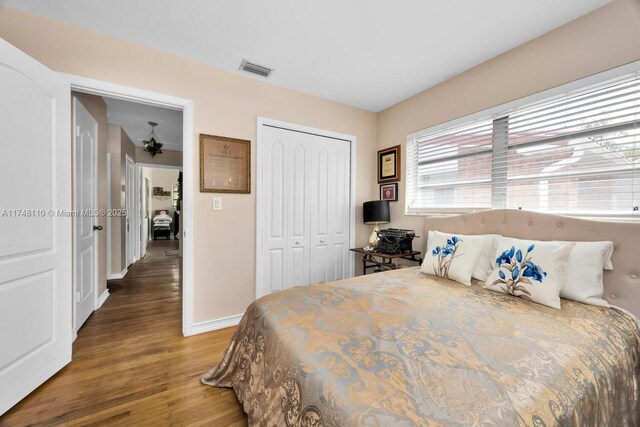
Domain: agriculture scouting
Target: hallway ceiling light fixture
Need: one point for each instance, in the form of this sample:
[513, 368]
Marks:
[151, 144]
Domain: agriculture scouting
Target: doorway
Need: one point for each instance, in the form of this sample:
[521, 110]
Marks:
[134, 95]
[160, 205]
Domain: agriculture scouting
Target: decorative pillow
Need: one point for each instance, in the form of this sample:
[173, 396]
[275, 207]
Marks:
[484, 265]
[530, 269]
[583, 278]
[451, 256]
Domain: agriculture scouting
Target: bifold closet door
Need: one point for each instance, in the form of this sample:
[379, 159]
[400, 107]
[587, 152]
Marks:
[330, 198]
[305, 205]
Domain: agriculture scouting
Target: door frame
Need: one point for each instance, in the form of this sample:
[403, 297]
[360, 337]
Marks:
[75, 222]
[140, 194]
[129, 195]
[260, 287]
[128, 93]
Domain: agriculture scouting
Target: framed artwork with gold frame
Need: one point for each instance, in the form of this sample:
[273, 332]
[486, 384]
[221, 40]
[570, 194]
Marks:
[225, 164]
[389, 165]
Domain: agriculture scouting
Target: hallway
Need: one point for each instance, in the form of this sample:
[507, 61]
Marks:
[131, 365]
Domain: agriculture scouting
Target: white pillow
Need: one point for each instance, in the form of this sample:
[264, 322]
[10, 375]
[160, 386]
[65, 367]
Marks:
[530, 269]
[484, 265]
[583, 278]
[452, 257]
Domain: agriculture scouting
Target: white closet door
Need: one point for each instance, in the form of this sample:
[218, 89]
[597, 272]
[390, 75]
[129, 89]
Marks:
[287, 201]
[306, 198]
[330, 210]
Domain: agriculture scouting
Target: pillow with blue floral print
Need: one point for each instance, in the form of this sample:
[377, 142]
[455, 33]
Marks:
[452, 256]
[531, 270]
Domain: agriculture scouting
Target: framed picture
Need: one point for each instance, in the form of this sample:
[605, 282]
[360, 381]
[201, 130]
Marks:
[389, 192]
[225, 165]
[389, 164]
[158, 191]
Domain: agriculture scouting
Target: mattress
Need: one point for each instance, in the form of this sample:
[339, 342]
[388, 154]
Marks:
[402, 348]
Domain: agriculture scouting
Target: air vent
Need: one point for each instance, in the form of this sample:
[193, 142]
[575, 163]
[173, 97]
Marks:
[250, 67]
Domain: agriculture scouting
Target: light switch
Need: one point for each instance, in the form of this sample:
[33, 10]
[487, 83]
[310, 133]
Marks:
[217, 203]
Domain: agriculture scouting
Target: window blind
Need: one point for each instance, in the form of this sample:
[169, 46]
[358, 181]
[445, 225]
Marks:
[576, 154]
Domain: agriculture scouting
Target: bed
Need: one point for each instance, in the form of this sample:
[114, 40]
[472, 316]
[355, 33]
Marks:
[161, 224]
[403, 348]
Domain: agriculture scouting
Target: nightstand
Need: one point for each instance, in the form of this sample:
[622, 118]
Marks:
[382, 262]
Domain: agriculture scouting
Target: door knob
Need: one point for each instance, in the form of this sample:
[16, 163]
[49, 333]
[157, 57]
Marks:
[97, 227]
[297, 243]
[322, 241]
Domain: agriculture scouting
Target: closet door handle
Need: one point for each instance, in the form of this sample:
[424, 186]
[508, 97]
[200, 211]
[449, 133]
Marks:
[297, 243]
[322, 241]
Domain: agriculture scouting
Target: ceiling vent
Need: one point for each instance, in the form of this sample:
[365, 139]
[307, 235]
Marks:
[250, 67]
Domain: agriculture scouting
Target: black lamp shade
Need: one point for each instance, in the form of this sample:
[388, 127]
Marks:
[376, 212]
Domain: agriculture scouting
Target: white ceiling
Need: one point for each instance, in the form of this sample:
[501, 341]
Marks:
[366, 53]
[133, 118]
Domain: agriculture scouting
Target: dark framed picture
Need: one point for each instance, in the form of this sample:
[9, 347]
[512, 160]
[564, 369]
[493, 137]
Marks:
[389, 192]
[225, 164]
[389, 164]
[158, 191]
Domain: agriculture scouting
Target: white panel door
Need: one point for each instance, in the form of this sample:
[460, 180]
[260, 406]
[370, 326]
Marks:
[86, 200]
[273, 200]
[306, 198]
[330, 224]
[35, 242]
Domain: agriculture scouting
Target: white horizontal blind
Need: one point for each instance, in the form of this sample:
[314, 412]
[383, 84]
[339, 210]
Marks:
[451, 169]
[576, 154]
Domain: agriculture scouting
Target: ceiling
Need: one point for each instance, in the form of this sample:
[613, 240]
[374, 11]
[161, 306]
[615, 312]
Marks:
[133, 118]
[366, 53]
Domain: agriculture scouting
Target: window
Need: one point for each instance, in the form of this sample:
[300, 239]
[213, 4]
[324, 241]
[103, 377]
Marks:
[576, 154]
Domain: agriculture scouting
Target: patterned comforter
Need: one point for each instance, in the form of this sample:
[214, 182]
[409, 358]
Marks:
[401, 349]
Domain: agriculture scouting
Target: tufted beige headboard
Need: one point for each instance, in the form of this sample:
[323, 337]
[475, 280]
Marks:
[622, 285]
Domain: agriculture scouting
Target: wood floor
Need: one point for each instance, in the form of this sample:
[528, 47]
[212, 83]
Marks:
[132, 366]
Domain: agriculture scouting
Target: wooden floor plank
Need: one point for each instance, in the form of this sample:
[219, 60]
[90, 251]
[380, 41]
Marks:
[132, 366]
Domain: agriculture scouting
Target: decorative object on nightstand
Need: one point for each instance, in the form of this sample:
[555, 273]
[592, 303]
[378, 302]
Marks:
[393, 241]
[374, 213]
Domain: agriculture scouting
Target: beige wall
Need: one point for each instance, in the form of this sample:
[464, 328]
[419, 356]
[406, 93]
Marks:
[118, 145]
[96, 106]
[224, 104]
[604, 39]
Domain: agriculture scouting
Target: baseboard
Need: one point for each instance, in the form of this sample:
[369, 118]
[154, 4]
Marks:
[214, 325]
[118, 276]
[102, 298]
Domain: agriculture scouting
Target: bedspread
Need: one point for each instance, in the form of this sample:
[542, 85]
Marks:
[401, 349]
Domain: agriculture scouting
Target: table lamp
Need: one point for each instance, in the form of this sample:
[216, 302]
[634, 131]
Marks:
[375, 212]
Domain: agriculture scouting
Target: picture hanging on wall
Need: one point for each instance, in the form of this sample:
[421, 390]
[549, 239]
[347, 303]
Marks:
[389, 192]
[225, 164]
[389, 164]
[158, 191]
